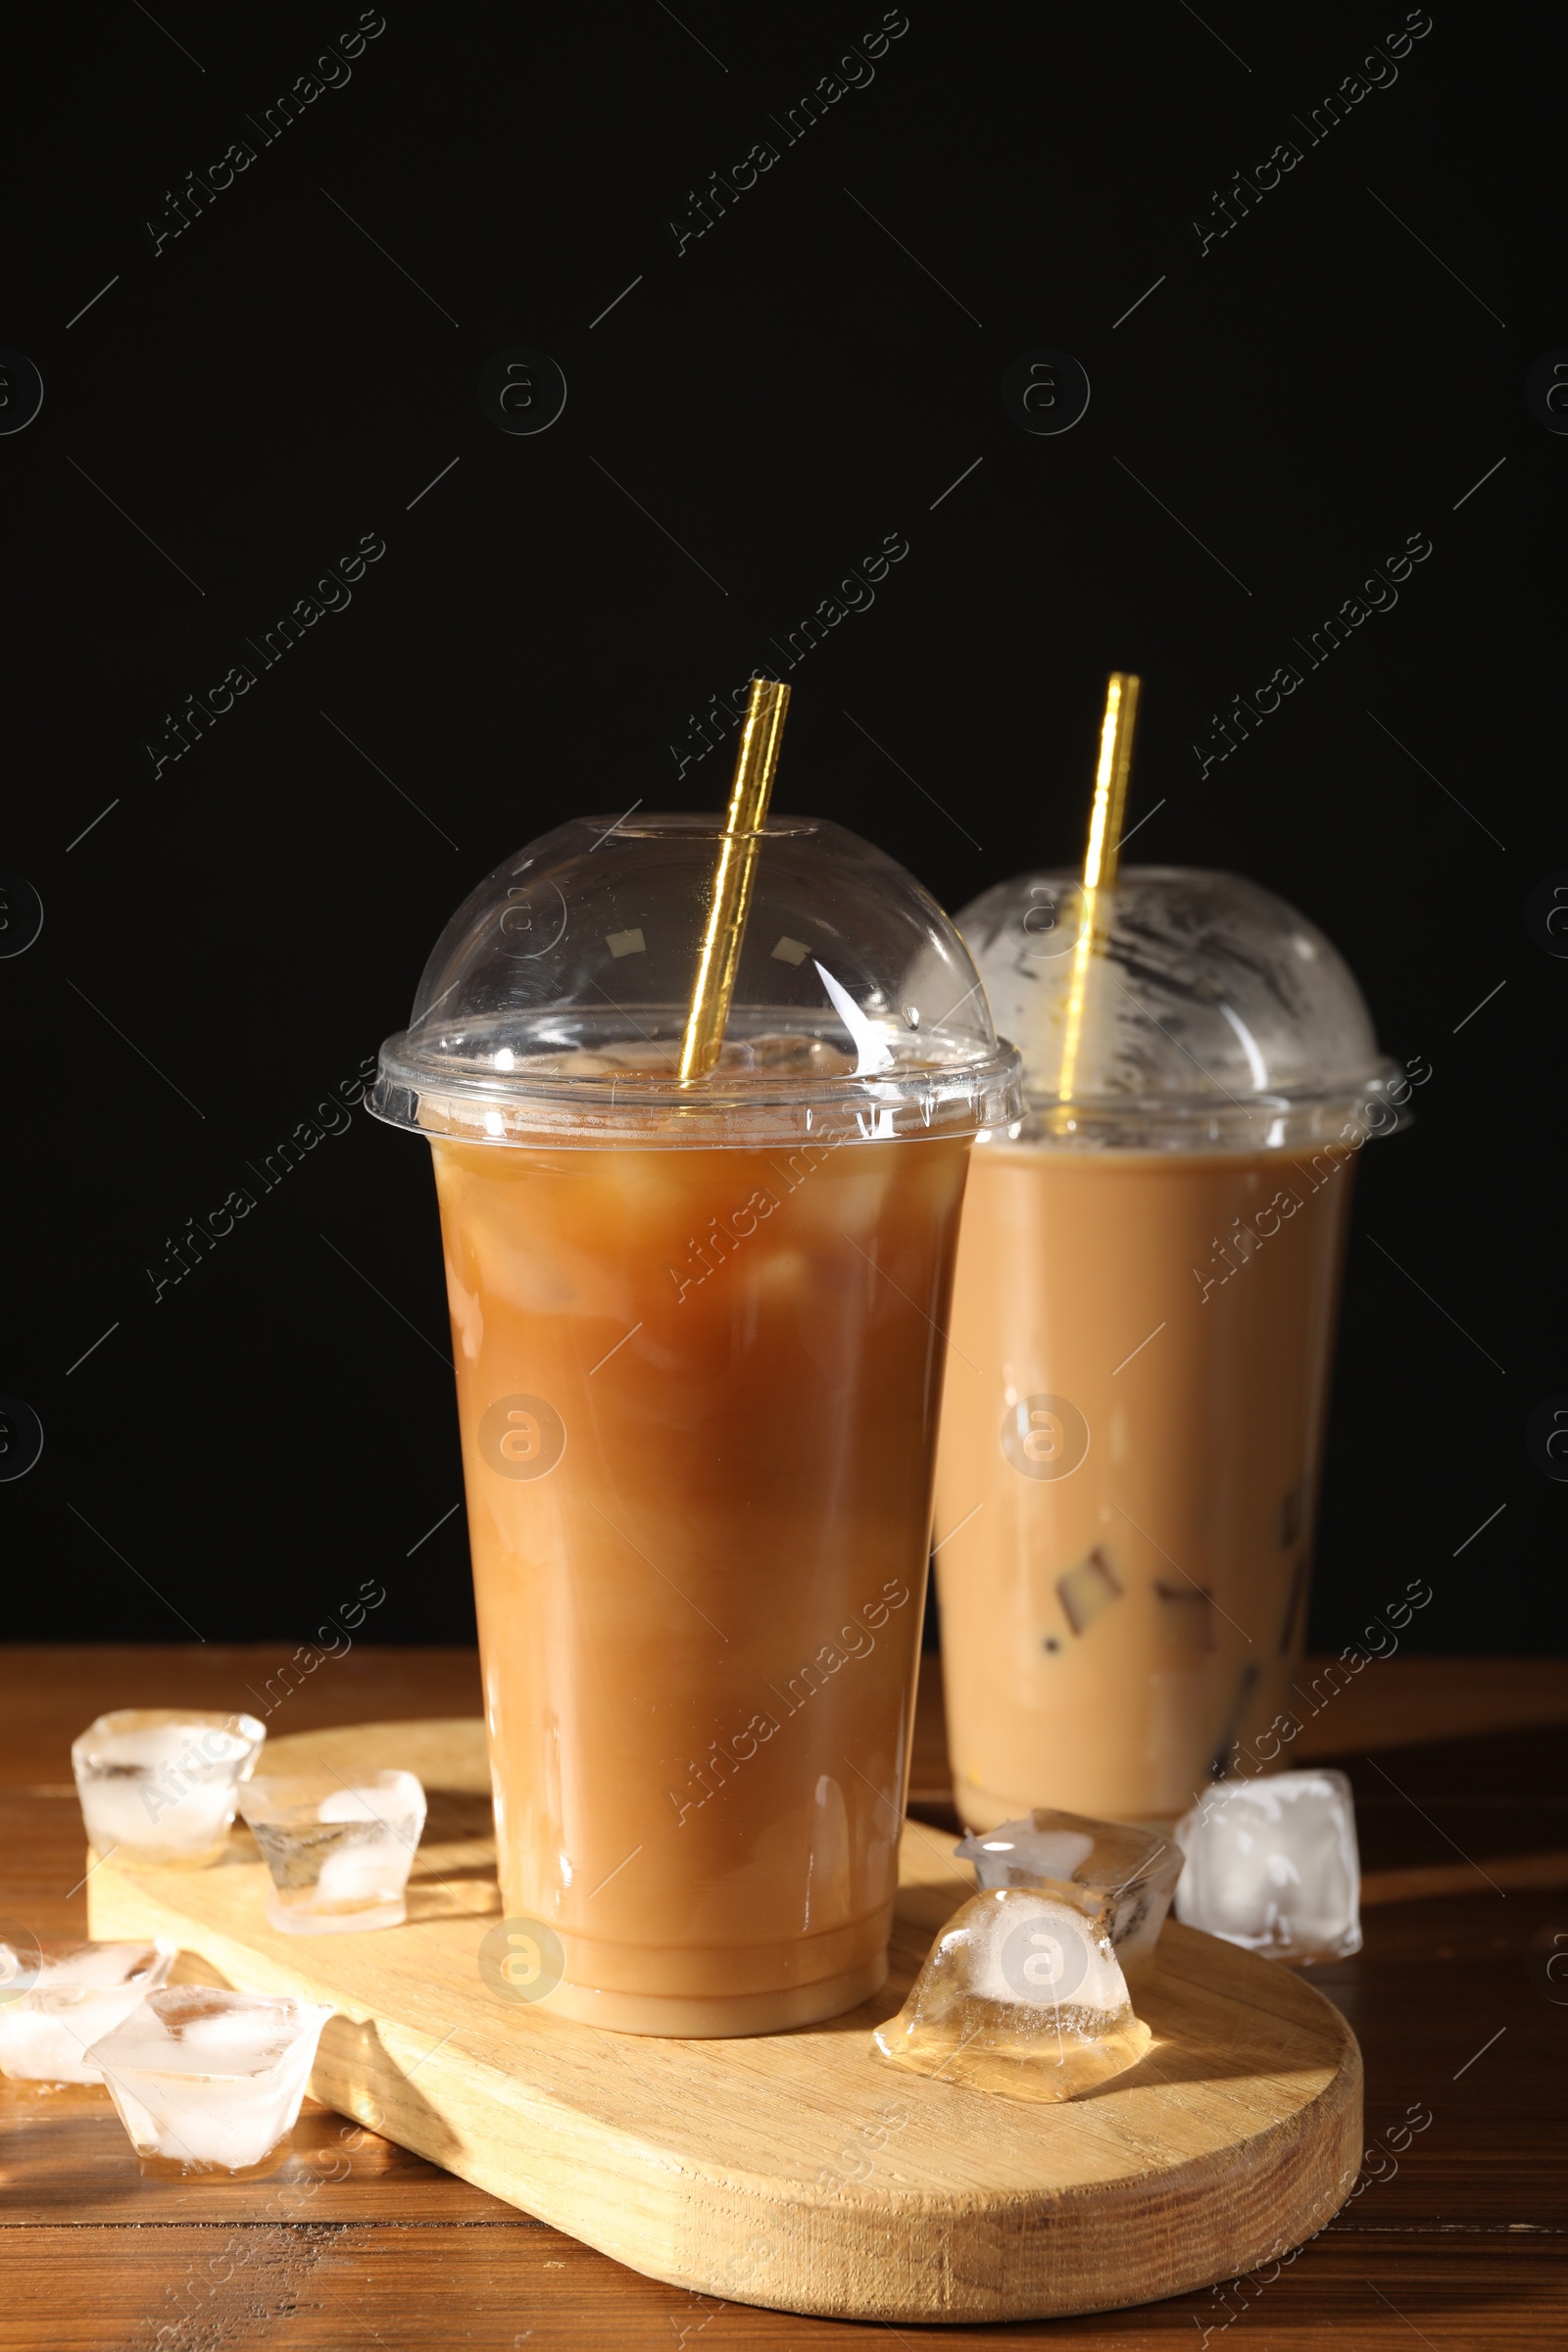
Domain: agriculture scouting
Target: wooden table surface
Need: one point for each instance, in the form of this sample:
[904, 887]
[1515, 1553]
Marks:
[1455, 2236]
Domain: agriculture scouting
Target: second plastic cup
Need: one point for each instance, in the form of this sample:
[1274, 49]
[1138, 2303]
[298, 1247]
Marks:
[698, 1334]
[1144, 1321]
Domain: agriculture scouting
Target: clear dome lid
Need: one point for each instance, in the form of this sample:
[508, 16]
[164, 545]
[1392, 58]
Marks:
[554, 1001]
[1217, 1017]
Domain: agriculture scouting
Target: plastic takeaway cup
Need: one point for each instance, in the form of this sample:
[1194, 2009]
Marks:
[699, 1335]
[1143, 1325]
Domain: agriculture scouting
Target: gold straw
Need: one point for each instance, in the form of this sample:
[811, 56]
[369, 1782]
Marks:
[1116, 731]
[733, 876]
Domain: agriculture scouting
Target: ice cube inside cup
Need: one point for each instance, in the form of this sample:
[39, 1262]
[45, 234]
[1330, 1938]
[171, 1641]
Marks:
[1272, 1864]
[70, 1994]
[160, 1782]
[1133, 1871]
[206, 2081]
[339, 1852]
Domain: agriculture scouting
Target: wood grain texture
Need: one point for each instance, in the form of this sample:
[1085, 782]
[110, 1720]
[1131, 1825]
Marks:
[1466, 2242]
[516, 2288]
[792, 2169]
[53, 1689]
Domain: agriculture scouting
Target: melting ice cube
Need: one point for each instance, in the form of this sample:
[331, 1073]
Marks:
[1272, 1864]
[340, 1855]
[74, 1994]
[1130, 1871]
[161, 1781]
[1022, 1994]
[207, 2079]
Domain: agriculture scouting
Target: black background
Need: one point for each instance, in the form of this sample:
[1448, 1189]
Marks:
[225, 947]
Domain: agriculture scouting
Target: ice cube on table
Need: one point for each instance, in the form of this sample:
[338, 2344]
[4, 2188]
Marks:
[159, 1781]
[57, 2001]
[1132, 1871]
[1272, 1864]
[205, 2080]
[1022, 1993]
[339, 1854]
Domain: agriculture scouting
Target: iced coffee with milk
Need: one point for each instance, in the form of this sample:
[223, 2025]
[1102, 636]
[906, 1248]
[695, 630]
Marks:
[1144, 1323]
[698, 1309]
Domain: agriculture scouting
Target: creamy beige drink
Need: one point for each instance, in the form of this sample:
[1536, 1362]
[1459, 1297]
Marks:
[701, 1619]
[1131, 1467]
[1143, 1330]
[698, 1331]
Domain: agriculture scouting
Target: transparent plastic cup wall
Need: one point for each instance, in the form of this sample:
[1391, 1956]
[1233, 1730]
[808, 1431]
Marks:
[1144, 1319]
[698, 1338]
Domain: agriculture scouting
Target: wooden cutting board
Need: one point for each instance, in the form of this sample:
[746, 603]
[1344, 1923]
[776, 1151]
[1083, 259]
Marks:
[793, 2170]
